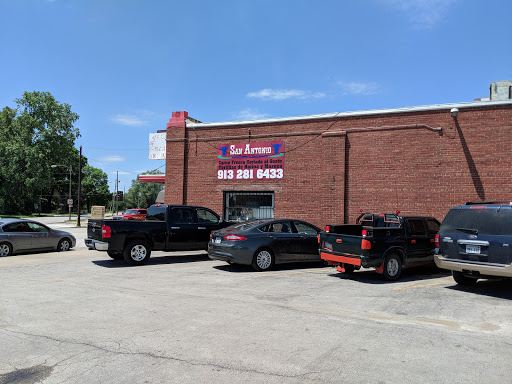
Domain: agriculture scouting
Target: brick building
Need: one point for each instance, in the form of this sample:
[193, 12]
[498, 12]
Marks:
[419, 160]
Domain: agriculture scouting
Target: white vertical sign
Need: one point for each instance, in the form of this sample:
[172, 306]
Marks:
[157, 146]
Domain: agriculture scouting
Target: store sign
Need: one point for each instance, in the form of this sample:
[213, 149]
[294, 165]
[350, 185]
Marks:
[157, 146]
[247, 161]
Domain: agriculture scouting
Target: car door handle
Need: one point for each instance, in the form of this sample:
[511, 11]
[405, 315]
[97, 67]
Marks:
[175, 227]
[201, 227]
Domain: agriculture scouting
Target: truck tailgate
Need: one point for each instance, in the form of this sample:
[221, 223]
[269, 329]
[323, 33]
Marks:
[94, 229]
[342, 248]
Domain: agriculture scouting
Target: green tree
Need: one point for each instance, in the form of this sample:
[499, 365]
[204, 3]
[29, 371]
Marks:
[94, 187]
[37, 133]
[142, 195]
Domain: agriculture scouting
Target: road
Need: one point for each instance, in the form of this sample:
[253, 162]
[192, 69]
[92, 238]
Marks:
[80, 317]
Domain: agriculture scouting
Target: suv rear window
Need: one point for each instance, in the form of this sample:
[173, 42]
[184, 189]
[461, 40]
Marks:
[490, 221]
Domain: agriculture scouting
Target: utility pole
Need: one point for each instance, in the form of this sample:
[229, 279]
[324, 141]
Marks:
[79, 188]
[117, 194]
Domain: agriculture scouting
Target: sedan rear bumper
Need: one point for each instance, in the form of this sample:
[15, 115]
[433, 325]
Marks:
[96, 244]
[229, 254]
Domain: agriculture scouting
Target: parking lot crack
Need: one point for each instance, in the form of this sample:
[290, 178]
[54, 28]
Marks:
[156, 356]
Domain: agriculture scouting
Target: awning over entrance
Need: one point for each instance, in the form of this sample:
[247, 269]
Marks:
[160, 178]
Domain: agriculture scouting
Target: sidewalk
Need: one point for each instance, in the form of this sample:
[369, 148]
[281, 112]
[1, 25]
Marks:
[63, 220]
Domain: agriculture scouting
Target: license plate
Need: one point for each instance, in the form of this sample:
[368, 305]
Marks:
[472, 249]
[218, 240]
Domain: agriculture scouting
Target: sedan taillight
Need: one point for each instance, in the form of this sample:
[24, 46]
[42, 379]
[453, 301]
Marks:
[234, 238]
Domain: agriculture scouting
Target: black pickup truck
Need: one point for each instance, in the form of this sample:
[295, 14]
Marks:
[166, 228]
[387, 242]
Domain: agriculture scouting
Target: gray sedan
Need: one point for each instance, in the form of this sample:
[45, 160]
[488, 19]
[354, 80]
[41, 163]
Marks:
[19, 235]
[263, 243]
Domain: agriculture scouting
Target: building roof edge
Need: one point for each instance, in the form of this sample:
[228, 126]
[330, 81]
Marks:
[431, 107]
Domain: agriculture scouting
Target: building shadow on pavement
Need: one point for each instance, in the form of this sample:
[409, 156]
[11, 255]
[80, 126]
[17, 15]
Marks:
[156, 260]
[415, 274]
[240, 268]
[497, 288]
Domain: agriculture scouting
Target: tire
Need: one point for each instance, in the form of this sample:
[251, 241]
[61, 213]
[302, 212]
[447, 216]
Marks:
[392, 267]
[137, 252]
[349, 268]
[115, 255]
[5, 249]
[263, 260]
[64, 245]
[462, 279]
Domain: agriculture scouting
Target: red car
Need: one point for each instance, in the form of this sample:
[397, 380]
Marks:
[132, 214]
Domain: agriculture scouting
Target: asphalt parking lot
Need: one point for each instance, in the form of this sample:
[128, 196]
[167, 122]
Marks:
[80, 317]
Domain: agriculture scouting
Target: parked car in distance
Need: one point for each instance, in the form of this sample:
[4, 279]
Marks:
[265, 242]
[132, 214]
[20, 235]
[475, 241]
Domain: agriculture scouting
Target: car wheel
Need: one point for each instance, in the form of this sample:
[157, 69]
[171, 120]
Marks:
[392, 267]
[5, 249]
[115, 255]
[462, 279]
[137, 252]
[263, 260]
[64, 245]
[349, 268]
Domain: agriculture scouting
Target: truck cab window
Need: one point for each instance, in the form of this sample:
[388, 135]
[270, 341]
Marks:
[205, 216]
[433, 227]
[156, 213]
[182, 215]
[416, 227]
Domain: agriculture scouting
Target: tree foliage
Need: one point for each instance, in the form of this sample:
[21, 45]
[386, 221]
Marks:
[94, 187]
[37, 133]
[142, 195]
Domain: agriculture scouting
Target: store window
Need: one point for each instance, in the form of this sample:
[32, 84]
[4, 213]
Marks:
[242, 206]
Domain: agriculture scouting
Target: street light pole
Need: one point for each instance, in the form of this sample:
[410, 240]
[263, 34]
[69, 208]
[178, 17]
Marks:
[69, 205]
[70, 171]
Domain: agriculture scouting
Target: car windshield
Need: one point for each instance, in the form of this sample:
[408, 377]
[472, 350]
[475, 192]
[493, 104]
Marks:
[490, 221]
[130, 212]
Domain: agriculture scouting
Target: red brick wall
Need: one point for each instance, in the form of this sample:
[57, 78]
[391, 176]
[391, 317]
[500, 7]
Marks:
[329, 177]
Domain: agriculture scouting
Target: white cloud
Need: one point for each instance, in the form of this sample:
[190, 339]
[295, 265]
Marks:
[112, 159]
[359, 88]
[422, 13]
[120, 173]
[282, 94]
[130, 120]
[249, 114]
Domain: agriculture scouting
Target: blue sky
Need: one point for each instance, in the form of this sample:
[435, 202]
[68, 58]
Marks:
[125, 65]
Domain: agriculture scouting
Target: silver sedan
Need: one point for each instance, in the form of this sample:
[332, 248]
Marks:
[19, 236]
